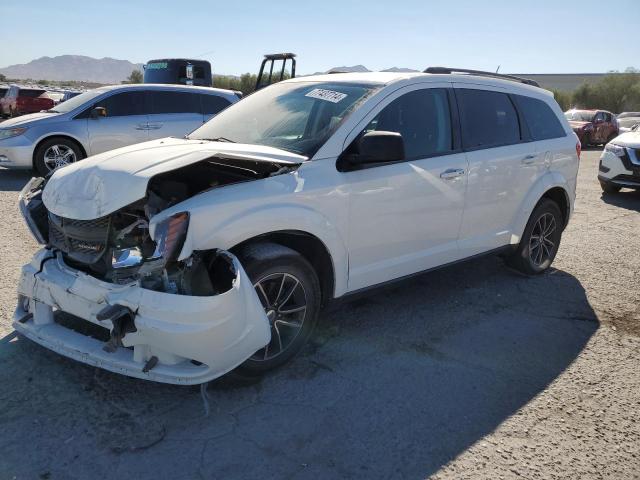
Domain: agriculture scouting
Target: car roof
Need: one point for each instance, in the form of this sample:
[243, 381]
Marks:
[387, 78]
[166, 86]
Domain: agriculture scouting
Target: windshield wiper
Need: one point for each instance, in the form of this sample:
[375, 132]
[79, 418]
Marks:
[52, 111]
[218, 139]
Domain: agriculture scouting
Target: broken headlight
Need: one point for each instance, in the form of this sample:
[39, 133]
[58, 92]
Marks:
[170, 235]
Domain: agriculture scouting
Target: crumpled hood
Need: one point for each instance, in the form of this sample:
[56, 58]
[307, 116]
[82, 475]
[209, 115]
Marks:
[24, 119]
[629, 139]
[104, 183]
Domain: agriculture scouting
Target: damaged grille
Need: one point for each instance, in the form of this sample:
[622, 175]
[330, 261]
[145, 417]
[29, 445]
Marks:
[82, 240]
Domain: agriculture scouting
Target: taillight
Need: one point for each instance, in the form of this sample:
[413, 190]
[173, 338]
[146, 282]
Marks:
[578, 148]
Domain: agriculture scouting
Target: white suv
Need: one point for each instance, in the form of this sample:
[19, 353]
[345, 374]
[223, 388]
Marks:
[192, 257]
[620, 163]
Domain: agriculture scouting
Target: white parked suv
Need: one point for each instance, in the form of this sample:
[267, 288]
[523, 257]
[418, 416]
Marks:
[192, 257]
[620, 163]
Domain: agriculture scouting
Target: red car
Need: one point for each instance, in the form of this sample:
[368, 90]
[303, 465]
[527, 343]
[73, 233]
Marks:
[593, 126]
[18, 101]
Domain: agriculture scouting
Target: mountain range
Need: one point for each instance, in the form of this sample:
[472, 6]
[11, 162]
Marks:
[105, 70]
[110, 70]
[73, 67]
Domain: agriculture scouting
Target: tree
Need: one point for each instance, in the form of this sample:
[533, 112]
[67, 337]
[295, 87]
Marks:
[563, 99]
[3, 78]
[135, 77]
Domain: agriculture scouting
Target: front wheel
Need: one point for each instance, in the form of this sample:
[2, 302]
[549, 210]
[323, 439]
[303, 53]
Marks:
[540, 240]
[55, 153]
[609, 187]
[584, 141]
[289, 291]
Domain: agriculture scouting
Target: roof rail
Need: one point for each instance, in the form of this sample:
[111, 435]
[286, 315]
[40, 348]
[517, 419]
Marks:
[480, 73]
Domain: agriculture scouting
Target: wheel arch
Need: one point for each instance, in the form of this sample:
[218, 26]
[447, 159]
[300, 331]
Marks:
[553, 186]
[57, 135]
[310, 247]
[561, 197]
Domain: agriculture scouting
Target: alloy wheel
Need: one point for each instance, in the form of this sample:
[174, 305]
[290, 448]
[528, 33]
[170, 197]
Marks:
[541, 244]
[285, 302]
[57, 156]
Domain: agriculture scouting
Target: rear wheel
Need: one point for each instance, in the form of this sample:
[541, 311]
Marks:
[540, 240]
[55, 153]
[609, 187]
[289, 291]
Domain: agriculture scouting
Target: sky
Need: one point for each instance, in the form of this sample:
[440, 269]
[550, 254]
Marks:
[534, 36]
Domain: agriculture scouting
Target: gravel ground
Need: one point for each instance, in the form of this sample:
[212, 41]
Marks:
[468, 372]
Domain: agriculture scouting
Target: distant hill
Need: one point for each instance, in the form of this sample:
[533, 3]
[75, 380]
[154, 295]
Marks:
[400, 70]
[73, 67]
[355, 68]
[110, 70]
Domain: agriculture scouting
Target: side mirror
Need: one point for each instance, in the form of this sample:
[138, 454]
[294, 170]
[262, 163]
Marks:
[379, 147]
[98, 112]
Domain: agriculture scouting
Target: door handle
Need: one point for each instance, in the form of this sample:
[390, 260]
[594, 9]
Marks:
[154, 126]
[142, 126]
[528, 160]
[452, 173]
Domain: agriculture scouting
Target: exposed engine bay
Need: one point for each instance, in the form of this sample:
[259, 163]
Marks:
[118, 247]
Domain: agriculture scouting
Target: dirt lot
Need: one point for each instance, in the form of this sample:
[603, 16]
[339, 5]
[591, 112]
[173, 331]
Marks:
[468, 372]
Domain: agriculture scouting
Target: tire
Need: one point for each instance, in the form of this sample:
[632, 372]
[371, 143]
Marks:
[67, 148]
[274, 269]
[609, 188]
[584, 142]
[531, 257]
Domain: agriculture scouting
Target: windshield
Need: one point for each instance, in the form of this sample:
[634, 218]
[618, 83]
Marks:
[298, 116]
[629, 114]
[77, 101]
[580, 115]
[629, 122]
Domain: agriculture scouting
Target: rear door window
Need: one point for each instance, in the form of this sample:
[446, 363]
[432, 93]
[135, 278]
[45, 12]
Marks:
[423, 119]
[488, 119]
[166, 102]
[542, 122]
[124, 104]
[213, 104]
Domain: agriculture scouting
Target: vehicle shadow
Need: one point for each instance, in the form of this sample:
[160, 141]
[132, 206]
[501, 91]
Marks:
[593, 148]
[629, 199]
[394, 385]
[14, 180]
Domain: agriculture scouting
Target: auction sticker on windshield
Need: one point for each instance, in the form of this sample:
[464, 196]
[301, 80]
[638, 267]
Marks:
[328, 95]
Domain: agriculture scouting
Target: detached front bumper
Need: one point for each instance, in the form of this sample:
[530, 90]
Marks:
[194, 339]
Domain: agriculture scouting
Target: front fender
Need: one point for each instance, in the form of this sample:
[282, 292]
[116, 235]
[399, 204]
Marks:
[208, 229]
[545, 183]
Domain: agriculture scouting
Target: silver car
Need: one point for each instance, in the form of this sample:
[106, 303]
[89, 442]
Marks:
[104, 119]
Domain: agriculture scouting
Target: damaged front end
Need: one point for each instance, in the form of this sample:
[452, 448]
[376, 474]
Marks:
[183, 321]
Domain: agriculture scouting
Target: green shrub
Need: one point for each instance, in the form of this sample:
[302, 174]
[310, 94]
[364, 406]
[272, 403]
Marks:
[617, 92]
